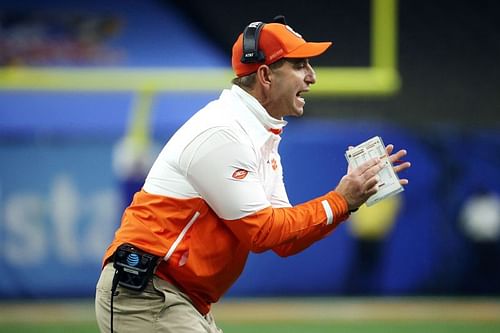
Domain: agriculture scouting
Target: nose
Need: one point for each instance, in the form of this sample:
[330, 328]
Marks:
[310, 77]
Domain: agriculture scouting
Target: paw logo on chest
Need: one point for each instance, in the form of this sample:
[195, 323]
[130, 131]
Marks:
[240, 174]
[274, 164]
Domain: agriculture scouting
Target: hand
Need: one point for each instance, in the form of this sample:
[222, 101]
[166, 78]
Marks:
[360, 183]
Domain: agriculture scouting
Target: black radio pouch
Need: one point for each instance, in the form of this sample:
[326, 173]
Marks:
[134, 267]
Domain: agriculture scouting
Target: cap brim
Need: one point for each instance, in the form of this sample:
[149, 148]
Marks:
[309, 50]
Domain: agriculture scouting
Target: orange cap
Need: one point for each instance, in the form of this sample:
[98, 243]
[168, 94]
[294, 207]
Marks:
[276, 41]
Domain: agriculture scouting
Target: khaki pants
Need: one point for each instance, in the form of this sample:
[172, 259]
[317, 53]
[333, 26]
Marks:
[160, 308]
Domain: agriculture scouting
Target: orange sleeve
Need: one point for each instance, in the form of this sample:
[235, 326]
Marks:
[290, 230]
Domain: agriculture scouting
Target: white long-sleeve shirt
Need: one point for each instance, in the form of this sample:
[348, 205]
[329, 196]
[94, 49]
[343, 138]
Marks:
[215, 193]
[201, 159]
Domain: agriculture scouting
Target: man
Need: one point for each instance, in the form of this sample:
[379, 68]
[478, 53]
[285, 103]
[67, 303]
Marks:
[216, 192]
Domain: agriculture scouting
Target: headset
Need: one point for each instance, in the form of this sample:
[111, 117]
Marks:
[251, 52]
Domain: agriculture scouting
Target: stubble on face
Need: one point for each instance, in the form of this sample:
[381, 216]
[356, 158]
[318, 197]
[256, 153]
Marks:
[290, 82]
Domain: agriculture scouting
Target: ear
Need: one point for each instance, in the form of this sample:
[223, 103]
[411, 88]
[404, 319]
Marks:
[263, 76]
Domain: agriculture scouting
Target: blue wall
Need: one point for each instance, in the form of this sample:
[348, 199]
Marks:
[61, 200]
[60, 203]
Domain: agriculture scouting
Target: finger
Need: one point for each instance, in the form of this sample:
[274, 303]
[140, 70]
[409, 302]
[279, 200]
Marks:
[365, 166]
[389, 148]
[398, 155]
[396, 158]
[372, 187]
[373, 170]
[404, 181]
[372, 182]
[401, 167]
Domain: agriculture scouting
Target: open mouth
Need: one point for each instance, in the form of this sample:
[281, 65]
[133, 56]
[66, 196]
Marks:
[299, 96]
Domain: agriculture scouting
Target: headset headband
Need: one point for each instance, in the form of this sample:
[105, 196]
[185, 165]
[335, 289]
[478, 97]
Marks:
[251, 52]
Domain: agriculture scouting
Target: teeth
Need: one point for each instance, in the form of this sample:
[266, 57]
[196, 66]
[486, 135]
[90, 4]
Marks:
[300, 98]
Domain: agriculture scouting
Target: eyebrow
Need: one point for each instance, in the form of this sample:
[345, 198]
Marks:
[297, 60]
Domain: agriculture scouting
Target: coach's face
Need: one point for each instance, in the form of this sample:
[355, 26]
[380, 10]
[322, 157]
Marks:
[287, 85]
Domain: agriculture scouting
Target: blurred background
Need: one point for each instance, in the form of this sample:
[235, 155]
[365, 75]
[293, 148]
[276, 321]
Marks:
[91, 90]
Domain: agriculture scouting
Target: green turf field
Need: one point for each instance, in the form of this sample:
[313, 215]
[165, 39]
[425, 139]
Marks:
[304, 327]
[286, 315]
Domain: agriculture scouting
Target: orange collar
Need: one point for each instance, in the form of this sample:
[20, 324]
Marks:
[276, 131]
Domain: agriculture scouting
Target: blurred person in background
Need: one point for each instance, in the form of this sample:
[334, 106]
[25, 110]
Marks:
[216, 193]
